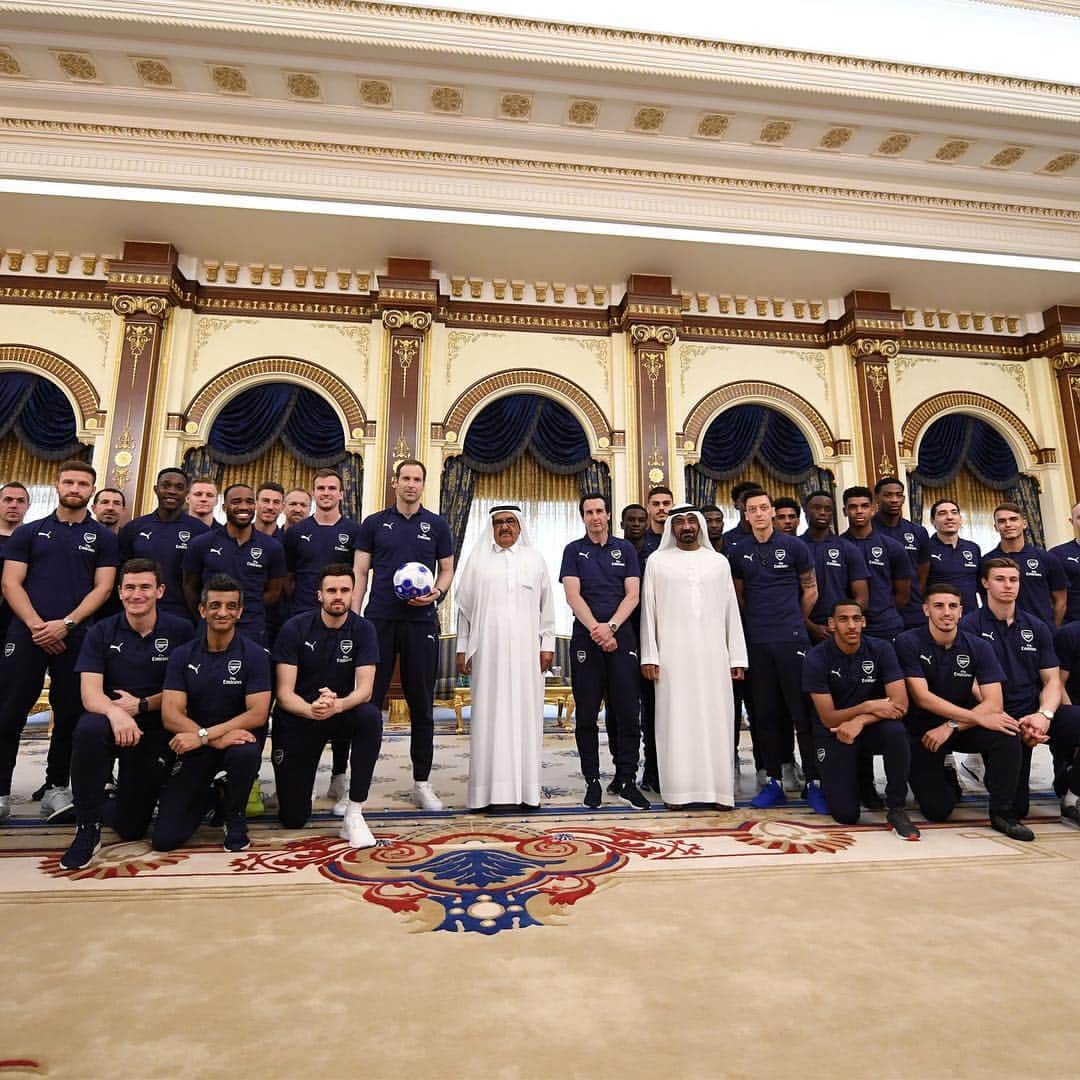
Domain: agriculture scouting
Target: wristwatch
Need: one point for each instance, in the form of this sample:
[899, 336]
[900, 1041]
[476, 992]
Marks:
[953, 725]
[204, 736]
[613, 626]
[70, 624]
[144, 706]
[1047, 713]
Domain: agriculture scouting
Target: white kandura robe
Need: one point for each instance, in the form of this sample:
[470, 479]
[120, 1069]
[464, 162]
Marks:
[690, 627]
[506, 618]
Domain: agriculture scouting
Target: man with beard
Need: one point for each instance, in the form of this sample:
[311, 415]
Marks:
[163, 537]
[326, 660]
[108, 507]
[122, 667]
[297, 506]
[692, 648]
[249, 557]
[269, 502]
[57, 572]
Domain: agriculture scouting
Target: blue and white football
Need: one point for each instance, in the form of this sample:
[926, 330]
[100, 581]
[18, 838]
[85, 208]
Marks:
[413, 579]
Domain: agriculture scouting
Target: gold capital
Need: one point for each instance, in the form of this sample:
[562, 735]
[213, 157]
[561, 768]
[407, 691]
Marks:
[394, 319]
[156, 306]
[885, 348]
[662, 335]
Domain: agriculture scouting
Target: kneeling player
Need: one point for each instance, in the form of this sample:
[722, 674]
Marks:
[216, 700]
[858, 692]
[325, 671]
[943, 665]
[122, 668]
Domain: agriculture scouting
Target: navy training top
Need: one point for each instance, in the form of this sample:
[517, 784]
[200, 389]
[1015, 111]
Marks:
[770, 572]
[217, 683]
[166, 542]
[602, 570]
[850, 679]
[837, 563]
[1040, 575]
[915, 541]
[309, 547]
[324, 656]
[886, 562]
[957, 566]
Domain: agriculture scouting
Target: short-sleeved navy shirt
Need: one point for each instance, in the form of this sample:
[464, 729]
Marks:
[886, 562]
[309, 547]
[62, 558]
[957, 566]
[217, 683]
[837, 563]
[602, 570]
[850, 679]
[166, 542]
[735, 537]
[1067, 648]
[1068, 554]
[1040, 575]
[5, 611]
[949, 672]
[770, 572]
[324, 656]
[254, 563]
[392, 539]
[126, 659]
[649, 543]
[915, 541]
[1023, 649]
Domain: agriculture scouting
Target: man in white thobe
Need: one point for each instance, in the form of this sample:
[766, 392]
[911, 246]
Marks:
[692, 646]
[505, 641]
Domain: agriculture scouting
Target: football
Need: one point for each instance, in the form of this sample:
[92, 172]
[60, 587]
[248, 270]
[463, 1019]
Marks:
[413, 579]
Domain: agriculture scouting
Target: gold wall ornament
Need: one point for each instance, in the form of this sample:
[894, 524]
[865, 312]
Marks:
[663, 335]
[649, 118]
[893, 144]
[138, 336]
[456, 341]
[1066, 361]
[952, 150]
[228, 79]
[516, 106]
[447, 99]
[8, 64]
[1062, 163]
[877, 377]
[1016, 372]
[402, 450]
[597, 347]
[1007, 157]
[77, 66]
[836, 137]
[394, 319]
[152, 71]
[653, 363]
[303, 85]
[405, 352]
[583, 113]
[885, 465]
[376, 93]
[961, 401]
[713, 125]
[775, 131]
[656, 466]
[886, 348]
[155, 306]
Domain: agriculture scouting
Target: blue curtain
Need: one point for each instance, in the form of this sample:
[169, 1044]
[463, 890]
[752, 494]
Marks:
[509, 426]
[745, 433]
[455, 498]
[313, 432]
[959, 441]
[40, 415]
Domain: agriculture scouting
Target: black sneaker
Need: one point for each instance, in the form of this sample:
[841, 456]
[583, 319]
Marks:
[593, 798]
[650, 783]
[216, 811]
[236, 834]
[84, 847]
[614, 787]
[870, 798]
[1070, 815]
[902, 825]
[1013, 829]
[633, 796]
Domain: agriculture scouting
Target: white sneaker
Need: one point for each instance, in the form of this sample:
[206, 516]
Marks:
[424, 796]
[341, 806]
[791, 781]
[56, 803]
[338, 789]
[354, 828]
[972, 772]
[5, 807]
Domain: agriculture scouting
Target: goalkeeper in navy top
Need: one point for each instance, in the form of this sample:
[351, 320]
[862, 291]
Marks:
[163, 536]
[215, 704]
[1043, 584]
[859, 695]
[953, 560]
[1025, 649]
[325, 672]
[239, 551]
[601, 578]
[57, 572]
[777, 589]
[954, 686]
[122, 667]
[889, 521]
[407, 629]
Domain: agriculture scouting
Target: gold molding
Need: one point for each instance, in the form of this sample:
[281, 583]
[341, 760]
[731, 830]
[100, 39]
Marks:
[662, 335]
[155, 306]
[957, 401]
[62, 371]
[138, 135]
[418, 320]
[885, 348]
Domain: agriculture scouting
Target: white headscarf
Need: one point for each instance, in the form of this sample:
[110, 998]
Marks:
[668, 540]
[481, 557]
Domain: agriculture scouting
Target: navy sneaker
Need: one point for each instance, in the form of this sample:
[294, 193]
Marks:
[772, 794]
[593, 797]
[236, 834]
[84, 847]
[815, 797]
